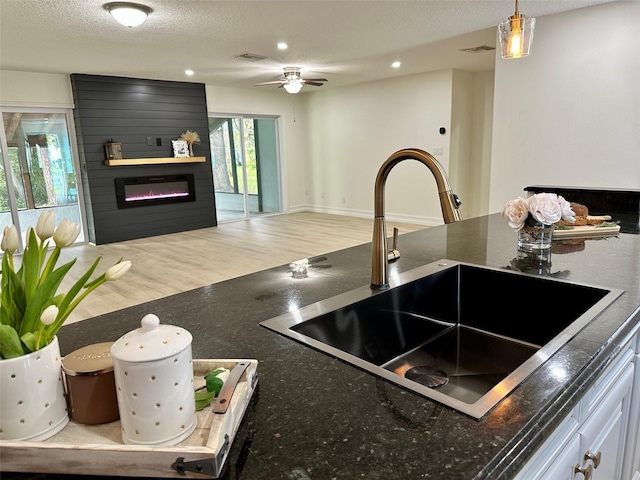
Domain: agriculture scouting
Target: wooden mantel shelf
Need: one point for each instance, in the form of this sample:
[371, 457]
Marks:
[153, 161]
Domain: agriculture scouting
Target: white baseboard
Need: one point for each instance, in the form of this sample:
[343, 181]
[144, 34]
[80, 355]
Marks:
[349, 212]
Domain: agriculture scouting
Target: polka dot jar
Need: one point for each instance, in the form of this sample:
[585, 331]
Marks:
[154, 384]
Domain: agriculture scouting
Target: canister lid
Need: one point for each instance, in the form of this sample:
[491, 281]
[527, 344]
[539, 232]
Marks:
[90, 360]
[151, 341]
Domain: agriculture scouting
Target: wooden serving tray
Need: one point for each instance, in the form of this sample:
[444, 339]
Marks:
[99, 450]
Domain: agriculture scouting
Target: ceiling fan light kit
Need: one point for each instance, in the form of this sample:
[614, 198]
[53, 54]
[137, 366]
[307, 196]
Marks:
[293, 82]
[516, 35]
[293, 86]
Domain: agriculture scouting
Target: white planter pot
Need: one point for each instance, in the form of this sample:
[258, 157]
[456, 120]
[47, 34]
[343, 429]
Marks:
[32, 402]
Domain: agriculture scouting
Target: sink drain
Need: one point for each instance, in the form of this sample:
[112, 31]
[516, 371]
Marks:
[427, 376]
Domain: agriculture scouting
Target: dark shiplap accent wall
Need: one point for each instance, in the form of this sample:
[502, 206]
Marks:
[130, 110]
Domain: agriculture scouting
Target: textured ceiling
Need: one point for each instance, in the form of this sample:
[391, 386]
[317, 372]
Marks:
[345, 41]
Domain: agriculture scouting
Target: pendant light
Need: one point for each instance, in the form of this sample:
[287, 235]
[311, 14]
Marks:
[128, 14]
[516, 35]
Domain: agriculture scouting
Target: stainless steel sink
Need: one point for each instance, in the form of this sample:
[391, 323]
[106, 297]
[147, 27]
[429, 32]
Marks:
[460, 334]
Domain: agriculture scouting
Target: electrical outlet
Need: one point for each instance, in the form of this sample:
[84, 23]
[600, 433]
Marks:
[438, 150]
[150, 141]
[158, 142]
[322, 195]
[343, 199]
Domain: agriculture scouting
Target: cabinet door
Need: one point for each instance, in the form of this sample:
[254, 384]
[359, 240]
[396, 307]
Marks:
[602, 436]
[632, 451]
[559, 453]
[562, 467]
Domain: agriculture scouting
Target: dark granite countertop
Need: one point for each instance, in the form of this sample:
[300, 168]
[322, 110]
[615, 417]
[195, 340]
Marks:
[317, 418]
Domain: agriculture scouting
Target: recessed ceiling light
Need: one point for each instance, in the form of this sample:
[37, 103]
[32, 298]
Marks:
[396, 64]
[189, 72]
[282, 46]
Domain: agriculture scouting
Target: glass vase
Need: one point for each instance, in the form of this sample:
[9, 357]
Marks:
[535, 238]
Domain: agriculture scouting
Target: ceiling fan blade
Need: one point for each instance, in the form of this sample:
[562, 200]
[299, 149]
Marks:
[275, 82]
[315, 80]
[315, 84]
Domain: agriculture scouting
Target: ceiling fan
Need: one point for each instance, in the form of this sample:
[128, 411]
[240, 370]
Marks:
[293, 82]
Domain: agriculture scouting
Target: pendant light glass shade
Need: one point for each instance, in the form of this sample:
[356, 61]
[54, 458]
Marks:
[516, 35]
[128, 14]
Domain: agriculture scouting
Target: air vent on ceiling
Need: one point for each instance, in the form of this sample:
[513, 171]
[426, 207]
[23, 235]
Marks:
[250, 57]
[481, 48]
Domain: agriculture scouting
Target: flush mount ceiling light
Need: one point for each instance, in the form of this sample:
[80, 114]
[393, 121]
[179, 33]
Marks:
[127, 13]
[516, 35]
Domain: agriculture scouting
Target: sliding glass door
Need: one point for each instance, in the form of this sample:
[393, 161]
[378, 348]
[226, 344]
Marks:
[39, 170]
[246, 171]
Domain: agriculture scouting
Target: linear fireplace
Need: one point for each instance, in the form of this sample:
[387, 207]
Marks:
[157, 190]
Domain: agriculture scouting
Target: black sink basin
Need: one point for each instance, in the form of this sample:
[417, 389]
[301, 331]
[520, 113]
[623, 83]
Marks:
[460, 334]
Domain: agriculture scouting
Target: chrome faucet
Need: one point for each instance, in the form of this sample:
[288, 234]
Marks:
[449, 202]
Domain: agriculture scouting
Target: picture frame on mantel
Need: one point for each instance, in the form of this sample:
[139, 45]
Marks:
[180, 148]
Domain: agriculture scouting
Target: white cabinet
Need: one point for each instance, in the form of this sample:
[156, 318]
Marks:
[563, 465]
[590, 442]
[602, 436]
[631, 468]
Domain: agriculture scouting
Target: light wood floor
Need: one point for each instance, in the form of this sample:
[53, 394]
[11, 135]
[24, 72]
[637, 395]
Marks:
[169, 264]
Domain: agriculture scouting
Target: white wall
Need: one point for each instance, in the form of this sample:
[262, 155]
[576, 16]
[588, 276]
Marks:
[569, 114]
[24, 89]
[479, 173]
[353, 130]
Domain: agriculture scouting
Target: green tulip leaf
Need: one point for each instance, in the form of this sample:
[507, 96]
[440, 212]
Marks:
[42, 296]
[214, 384]
[203, 399]
[31, 265]
[10, 346]
[29, 339]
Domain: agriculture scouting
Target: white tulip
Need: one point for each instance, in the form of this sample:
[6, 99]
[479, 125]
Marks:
[66, 233]
[49, 315]
[118, 270]
[10, 239]
[46, 225]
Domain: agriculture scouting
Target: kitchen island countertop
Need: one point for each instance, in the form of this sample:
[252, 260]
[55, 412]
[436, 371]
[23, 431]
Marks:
[315, 417]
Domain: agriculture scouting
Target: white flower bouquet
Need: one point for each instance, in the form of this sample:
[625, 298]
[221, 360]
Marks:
[544, 208]
[31, 310]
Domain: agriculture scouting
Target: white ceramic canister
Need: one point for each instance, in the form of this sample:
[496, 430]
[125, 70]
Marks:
[154, 384]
